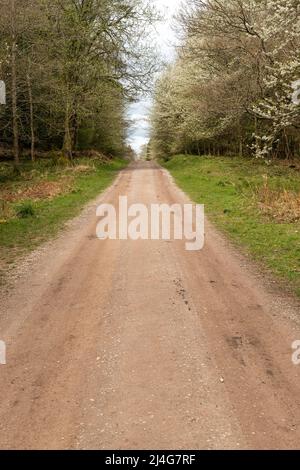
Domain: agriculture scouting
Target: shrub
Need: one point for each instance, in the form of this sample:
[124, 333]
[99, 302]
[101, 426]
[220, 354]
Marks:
[25, 210]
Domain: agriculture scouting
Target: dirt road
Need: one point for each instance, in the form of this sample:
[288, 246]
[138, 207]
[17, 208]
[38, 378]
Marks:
[143, 345]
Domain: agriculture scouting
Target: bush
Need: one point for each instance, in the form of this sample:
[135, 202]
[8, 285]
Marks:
[25, 210]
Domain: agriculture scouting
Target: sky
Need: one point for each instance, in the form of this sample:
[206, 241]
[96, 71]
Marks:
[165, 37]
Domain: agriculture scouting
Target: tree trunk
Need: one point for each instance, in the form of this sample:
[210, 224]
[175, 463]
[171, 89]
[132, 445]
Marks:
[241, 150]
[14, 87]
[32, 150]
[67, 147]
[240, 131]
[256, 130]
[288, 149]
[74, 133]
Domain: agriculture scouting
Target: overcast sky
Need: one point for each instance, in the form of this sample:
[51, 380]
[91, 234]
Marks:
[139, 112]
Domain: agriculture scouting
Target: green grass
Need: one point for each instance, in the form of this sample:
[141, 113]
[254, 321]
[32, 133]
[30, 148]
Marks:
[229, 187]
[36, 221]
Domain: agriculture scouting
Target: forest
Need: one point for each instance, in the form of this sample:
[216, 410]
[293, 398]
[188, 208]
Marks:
[234, 88]
[70, 68]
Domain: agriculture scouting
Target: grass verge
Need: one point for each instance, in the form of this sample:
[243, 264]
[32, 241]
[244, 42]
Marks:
[35, 204]
[256, 204]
